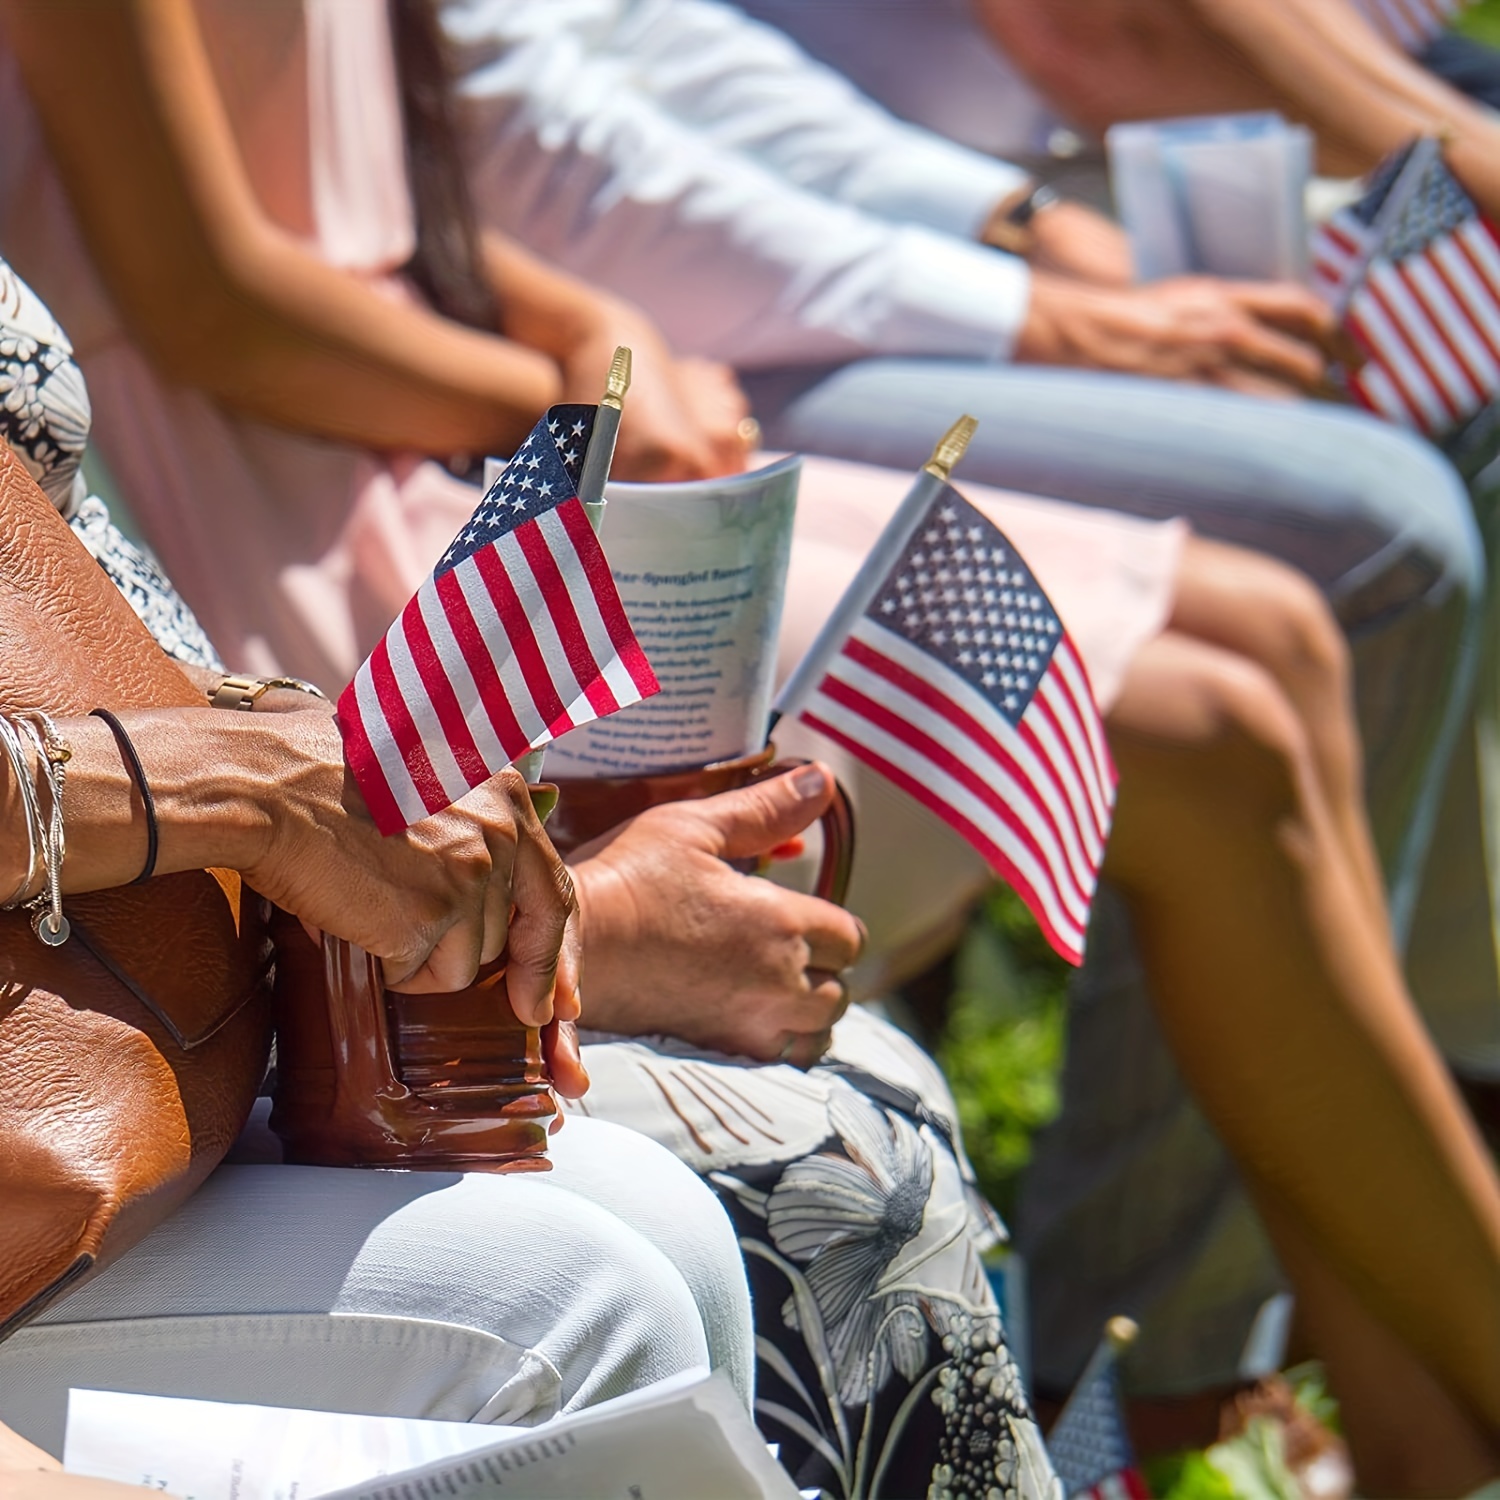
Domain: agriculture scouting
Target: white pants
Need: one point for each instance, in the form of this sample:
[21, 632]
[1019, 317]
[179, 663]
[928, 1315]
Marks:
[465, 1297]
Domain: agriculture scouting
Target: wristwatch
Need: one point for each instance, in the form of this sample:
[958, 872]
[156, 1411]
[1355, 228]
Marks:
[245, 692]
[1009, 227]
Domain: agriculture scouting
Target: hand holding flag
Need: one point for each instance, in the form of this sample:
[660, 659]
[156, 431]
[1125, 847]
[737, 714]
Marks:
[946, 669]
[518, 636]
[1414, 270]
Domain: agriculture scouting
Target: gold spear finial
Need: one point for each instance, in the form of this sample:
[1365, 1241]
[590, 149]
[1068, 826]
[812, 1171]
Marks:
[619, 378]
[951, 449]
[1122, 1333]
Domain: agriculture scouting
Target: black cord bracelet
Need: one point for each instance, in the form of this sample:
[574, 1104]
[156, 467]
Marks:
[138, 775]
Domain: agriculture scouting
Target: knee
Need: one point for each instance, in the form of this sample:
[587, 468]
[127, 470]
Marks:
[1215, 741]
[1305, 648]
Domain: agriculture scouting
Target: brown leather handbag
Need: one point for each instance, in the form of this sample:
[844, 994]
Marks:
[130, 1056]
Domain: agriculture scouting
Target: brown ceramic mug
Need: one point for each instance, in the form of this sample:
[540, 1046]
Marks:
[588, 807]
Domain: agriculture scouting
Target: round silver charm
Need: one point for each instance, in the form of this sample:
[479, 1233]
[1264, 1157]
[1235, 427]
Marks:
[41, 924]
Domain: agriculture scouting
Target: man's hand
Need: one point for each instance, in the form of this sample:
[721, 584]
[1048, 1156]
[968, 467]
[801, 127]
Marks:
[679, 944]
[1263, 338]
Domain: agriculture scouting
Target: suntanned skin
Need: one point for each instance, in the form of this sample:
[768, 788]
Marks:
[1317, 61]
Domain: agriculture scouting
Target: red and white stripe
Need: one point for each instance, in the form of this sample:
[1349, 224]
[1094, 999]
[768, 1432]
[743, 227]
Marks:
[1126, 1485]
[1412, 24]
[1430, 325]
[514, 646]
[1035, 799]
[1338, 251]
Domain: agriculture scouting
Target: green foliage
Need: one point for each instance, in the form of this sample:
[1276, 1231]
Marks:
[1249, 1467]
[1003, 1045]
[1482, 22]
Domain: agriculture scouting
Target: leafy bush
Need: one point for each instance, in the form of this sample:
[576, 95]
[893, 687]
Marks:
[1002, 1047]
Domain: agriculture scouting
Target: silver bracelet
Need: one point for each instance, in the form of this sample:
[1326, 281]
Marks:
[53, 755]
[36, 835]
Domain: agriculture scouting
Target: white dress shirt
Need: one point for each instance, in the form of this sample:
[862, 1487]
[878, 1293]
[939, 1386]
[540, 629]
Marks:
[758, 206]
[928, 61]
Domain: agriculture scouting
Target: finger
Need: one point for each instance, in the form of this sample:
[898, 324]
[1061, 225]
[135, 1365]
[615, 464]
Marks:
[830, 992]
[565, 1059]
[834, 937]
[1248, 383]
[567, 995]
[1292, 308]
[747, 823]
[450, 965]
[497, 897]
[544, 901]
[1264, 350]
[804, 1050]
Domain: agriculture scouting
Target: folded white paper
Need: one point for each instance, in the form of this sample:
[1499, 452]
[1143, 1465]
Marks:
[1220, 194]
[681, 1439]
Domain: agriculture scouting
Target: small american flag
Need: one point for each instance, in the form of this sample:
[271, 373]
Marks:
[1412, 24]
[1416, 269]
[517, 637]
[960, 685]
[1089, 1445]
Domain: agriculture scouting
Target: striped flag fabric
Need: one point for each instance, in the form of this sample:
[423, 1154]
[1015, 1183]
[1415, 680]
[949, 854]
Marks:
[518, 636]
[1413, 25]
[1420, 292]
[959, 684]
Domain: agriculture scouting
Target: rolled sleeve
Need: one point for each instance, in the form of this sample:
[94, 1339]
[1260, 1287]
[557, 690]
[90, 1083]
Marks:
[732, 261]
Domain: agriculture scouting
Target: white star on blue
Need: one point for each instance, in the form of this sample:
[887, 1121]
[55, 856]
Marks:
[1022, 635]
[542, 475]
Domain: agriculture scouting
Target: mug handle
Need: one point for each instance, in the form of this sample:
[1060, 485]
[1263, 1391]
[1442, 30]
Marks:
[837, 824]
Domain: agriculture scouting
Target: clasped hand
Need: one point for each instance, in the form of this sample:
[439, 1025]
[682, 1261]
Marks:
[681, 944]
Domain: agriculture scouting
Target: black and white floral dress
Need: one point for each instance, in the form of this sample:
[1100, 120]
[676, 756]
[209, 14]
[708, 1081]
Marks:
[881, 1363]
[44, 416]
[882, 1368]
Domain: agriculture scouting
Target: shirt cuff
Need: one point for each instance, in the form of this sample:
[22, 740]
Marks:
[946, 297]
[934, 182]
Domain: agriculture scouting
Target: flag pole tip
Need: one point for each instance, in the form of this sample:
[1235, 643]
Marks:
[951, 448]
[1121, 1333]
[619, 376]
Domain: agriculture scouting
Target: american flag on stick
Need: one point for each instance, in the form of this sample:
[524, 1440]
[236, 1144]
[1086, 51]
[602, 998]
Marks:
[518, 636]
[1089, 1445]
[1414, 268]
[946, 669]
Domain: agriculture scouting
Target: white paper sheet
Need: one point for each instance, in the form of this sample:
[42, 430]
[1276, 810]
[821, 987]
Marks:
[701, 569]
[681, 1439]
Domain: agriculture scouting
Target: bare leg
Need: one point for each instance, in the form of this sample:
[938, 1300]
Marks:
[1272, 614]
[1269, 973]
[1387, 1396]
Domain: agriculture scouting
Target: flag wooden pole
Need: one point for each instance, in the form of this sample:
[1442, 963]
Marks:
[591, 482]
[811, 670]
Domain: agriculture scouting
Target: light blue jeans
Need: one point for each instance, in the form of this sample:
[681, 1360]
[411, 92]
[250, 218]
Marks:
[1131, 1205]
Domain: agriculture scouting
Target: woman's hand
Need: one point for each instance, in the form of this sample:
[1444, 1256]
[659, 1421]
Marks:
[682, 416]
[1264, 338]
[680, 944]
[432, 903]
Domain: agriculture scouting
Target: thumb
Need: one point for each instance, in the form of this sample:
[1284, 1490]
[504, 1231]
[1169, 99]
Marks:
[754, 820]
